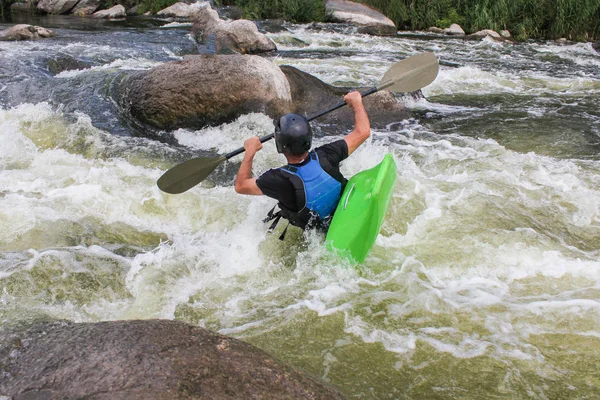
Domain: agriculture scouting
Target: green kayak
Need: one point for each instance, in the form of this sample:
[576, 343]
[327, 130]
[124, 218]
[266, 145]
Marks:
[360, 212]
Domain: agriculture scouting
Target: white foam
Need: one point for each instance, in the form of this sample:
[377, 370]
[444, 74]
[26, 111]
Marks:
[130, 64]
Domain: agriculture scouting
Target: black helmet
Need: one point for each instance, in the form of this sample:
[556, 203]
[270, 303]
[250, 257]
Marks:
[293, 135]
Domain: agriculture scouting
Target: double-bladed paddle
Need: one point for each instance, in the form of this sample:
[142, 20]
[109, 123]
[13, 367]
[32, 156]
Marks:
[412, 73]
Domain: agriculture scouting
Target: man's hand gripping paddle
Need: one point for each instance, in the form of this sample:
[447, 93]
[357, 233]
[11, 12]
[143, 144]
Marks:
[412, 73]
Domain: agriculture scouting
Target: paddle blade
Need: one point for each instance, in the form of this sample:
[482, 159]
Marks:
[412, 73]
[188, 174]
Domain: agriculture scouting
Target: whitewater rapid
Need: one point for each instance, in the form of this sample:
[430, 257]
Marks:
[484, 281]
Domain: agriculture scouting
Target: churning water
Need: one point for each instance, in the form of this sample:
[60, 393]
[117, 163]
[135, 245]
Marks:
[485, 279]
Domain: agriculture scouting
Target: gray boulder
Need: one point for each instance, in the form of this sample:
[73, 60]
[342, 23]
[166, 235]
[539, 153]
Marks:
[151, 359]
[182, 10]
[25, 32]
[435, 29]
[63, 62]
[241, 36]
[85, 7]
[312, 96]
[56, 6]
[454, 30]
[369, 20]
[485, 33]
[596, 46]
[114, 12]
[206, 89]
[23, 7]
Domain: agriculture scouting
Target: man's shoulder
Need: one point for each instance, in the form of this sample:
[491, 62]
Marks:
[339, 144]
[270, 175]
[335, 151]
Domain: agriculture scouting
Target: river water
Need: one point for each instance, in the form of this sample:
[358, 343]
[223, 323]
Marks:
[484, 282]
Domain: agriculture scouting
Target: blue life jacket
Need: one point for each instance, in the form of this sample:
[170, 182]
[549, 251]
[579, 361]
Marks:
[321, 191]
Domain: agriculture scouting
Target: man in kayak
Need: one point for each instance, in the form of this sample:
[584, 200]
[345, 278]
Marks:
[309, 187]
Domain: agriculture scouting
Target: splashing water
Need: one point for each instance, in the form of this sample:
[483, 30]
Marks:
[484, 281]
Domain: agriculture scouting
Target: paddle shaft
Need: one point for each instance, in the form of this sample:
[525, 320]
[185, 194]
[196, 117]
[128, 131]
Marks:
[335, 107]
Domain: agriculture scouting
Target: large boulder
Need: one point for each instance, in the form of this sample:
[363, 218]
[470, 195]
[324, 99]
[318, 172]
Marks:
[312, 96]
[206, 89]
[152, 359]
[25, 32]
[56, 6]
[369, 20]
[241, 36]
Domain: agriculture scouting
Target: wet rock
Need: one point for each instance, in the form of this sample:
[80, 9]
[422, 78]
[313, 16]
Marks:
[85, 7]
[56, 6]
[114, 12]
[25, 32]
[505, 34]
[561, 41]
[230, 12]
[151, 359]
[23, 8]
[312, 96]
[61, 63]
[454, 30]
[596, 46]
[241, 36]
[271, 25]
[435, 29]
[133, 11]
[182, 10]
[206, 89]
[483, 34]
[369, 20]
[290, 41]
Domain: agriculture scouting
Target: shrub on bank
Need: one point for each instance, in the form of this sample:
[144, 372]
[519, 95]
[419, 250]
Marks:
[550, 19]
[290, 10]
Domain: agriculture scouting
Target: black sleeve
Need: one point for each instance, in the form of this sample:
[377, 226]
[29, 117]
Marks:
[274, 185]
[334, 152]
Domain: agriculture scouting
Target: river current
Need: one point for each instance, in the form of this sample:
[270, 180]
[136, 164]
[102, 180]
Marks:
[483, 283]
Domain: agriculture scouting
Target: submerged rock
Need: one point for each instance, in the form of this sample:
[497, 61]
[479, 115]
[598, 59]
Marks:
[64, 62]
[151, 359]
[369, 20]
[25, 32]
[206, 89]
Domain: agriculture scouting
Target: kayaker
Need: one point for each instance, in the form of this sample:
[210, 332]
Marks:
[309, 187]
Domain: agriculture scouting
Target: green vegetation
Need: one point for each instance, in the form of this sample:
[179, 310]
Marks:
[550, 19]
[297, 11]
